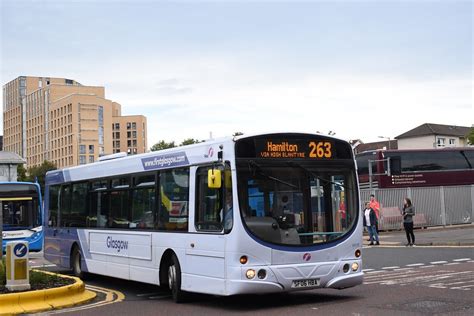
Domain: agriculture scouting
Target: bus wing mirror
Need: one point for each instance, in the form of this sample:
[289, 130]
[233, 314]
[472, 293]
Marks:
[214, 179]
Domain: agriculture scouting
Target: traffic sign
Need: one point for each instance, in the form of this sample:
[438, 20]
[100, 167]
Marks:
[20, 250]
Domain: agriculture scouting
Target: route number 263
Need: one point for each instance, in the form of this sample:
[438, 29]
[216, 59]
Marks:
[320, 150]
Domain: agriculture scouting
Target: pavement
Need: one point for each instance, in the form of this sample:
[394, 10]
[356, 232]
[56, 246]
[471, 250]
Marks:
[454, 235]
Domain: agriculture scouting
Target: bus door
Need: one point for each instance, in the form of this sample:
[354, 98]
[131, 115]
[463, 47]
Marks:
[213, 218]
[52, 212]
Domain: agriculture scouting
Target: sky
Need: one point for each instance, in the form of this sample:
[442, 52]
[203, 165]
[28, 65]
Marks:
[361, 69]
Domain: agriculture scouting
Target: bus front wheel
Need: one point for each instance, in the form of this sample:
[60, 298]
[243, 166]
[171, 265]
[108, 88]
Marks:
[174, 280]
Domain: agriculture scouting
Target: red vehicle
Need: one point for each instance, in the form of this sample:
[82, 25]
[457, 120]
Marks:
[416, 167]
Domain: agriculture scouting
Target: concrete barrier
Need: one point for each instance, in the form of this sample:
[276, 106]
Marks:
[44, 300]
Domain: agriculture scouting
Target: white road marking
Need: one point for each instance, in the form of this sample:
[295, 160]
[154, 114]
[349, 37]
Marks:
[43, 266]
[413, 278]
[376, 272]
[462, 259]
[415, 265]
[367, 270]
[438, 262]
[451, 264]
[394, 267]
[429, 266]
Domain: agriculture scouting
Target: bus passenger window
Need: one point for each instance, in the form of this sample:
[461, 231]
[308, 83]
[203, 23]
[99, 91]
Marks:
[174, 196]
[53, 205]
[143, 202]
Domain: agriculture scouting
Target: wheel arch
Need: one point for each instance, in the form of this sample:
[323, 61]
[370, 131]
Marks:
[164, 264]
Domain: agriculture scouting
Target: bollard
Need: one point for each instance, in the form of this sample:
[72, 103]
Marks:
[18, 276]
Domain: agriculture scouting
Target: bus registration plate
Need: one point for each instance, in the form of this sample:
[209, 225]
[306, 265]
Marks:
[305, 283]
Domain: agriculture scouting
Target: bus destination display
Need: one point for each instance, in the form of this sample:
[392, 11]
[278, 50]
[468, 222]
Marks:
[295, 148]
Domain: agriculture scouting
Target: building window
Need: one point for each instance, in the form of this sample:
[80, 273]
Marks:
[101, 135]
[91, 149]
[452, 142]
[116, 135]
[129, 125]
[101, 116]
[129, 134]
[91, 159]
[82, 160]
[129, 143]
[82, 149]
[134, 125]
[117, 126]
[134, 134]
[441, 142]
[101, 150]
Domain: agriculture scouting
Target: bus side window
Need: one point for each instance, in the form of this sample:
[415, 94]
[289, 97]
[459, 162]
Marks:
[174, 197]
[65, 205]
[53, 205]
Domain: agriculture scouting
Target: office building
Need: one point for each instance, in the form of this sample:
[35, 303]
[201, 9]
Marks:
[59, 120]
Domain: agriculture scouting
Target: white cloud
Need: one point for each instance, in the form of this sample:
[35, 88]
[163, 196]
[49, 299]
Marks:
[225, 97]
[191, 96]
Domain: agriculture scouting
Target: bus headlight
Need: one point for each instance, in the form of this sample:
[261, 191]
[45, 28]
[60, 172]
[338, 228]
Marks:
[355, 266]
[250, 274]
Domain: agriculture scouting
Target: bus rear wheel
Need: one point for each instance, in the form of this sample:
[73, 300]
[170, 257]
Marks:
[76, 263]
[174, 280]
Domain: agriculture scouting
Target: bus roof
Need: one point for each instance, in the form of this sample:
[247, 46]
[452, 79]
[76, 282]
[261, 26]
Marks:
[205, 152]
[199, 153]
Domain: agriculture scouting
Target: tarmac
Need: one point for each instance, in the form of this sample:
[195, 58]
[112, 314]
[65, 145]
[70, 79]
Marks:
[35, 301]
[454, 235]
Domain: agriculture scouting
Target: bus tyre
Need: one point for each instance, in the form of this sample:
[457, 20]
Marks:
[174, 280]
[76, 263]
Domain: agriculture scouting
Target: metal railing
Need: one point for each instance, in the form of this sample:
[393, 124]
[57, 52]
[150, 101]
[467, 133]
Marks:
[434, 206]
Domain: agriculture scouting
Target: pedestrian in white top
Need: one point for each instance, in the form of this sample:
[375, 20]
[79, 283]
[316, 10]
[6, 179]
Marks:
[370, 222]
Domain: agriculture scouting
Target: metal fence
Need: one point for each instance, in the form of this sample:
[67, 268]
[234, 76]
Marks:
[434, 206]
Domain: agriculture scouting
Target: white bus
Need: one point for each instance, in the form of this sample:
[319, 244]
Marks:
[251, 214]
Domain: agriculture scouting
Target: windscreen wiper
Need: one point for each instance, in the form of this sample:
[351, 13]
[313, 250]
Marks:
[261, 172]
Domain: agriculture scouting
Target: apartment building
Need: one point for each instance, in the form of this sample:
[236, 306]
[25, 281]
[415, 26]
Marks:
[129, 133]
[59, 120]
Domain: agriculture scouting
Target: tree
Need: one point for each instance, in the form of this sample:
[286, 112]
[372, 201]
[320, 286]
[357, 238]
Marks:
[21, 171]
[189, 141]
[39, 173]
[162, 145]
[470, 137]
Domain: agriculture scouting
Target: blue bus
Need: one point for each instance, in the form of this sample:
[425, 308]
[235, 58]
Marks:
[22, 213]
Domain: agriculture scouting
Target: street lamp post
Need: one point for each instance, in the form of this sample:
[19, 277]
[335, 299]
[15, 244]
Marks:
[385, 137]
